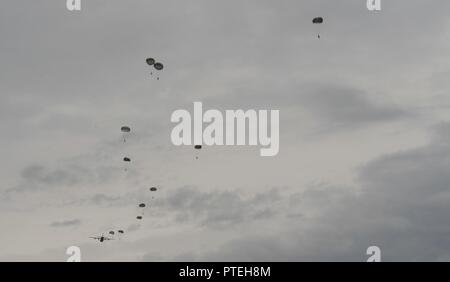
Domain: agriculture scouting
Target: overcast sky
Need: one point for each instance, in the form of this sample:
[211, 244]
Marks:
[364, 130]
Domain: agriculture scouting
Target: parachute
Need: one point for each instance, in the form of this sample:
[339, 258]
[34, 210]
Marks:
[142, 210]
[119, 234]
[153, 189]
[139, 217]
[126, 160]
[125, 129]
[197, 147]
[150, 61]
[318, 20]
[158, 66]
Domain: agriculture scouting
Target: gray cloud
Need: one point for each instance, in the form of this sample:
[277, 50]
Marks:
[219, 209]
[37, 175]
[101, 199]
[400, 206]
[347, 107]
[66, 223]
[39, 178]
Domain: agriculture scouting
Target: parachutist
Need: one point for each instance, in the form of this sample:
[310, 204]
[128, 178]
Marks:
[197, 147]
[319, 21]
[125, 130]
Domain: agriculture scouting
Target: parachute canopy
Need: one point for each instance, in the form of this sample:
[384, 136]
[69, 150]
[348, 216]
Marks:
[150, 61]
[317, 20]
[142, 205]
[139, 217]
[126, 159]
[121, 231]
[125, 129]
[198, 147]
[158, 66]
[153, 189]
